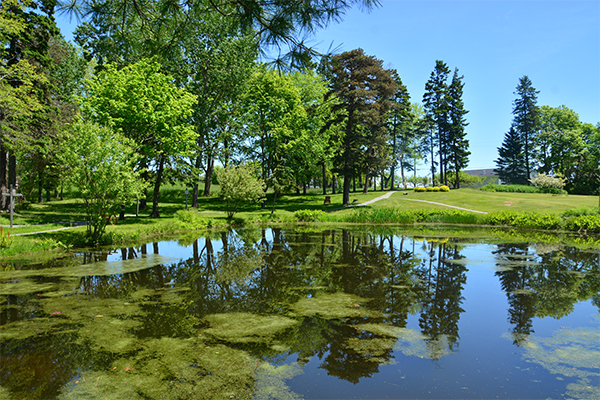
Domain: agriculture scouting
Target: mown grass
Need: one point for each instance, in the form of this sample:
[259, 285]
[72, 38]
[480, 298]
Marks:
[473, 199]
[522, 210]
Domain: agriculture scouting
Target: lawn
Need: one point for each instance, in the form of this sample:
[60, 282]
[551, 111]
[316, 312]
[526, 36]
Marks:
[61, 213]
[491, 201]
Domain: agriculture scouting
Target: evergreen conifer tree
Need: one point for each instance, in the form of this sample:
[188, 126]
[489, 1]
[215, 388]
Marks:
[435, 102]
[458, 153]
[510, 166]
[526, 119]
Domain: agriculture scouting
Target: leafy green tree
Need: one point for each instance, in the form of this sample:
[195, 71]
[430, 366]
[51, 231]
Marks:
[435, 102]
[100, 163]
[215, 61]
[365, 90]
[567, 147]
[143, 104]
[25, 31]
[275, 125]
[510, 165]
[38, 167]
[240, 184]
[458, 153]
[526, 119]
[322, 137]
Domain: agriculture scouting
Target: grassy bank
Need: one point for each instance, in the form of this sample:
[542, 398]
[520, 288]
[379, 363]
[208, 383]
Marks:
[518, 210]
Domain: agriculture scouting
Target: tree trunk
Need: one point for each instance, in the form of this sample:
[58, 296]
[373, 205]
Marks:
[392, 173]
[324, 179]
[367, 183]
[195, 193]
[333, 184]
[346, 193]
[195, 196]
[304, 188]
[3, 182]
[161, 165]
[208, 176]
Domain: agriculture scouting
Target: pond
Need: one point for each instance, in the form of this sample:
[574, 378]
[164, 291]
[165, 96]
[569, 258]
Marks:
[303, 313]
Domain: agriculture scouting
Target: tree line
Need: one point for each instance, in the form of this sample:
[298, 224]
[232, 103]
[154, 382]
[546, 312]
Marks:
[183, 88]
[549, 141]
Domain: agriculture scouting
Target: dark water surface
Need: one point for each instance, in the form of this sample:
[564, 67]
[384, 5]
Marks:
[290, 314]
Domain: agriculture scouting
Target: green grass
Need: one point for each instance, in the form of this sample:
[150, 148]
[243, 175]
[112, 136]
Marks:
[473, 199]
[211, 213]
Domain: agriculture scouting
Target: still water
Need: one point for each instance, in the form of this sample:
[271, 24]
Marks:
[304, 314]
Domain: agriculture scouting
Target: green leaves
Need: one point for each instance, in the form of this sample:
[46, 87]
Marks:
[240, 184]
[100, 163]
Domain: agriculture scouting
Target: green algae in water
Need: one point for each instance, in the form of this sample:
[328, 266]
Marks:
[246, 327]
[411, 342]
[101, 268]
[372, 349]
[333, 306]
[270, 381]
[170, 368]
[20, 287]
[572, 353]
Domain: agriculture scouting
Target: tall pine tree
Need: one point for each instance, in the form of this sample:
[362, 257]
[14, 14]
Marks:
[526, 119]
[510, 165]
[365, 90]
[458, 145]
[435, 102]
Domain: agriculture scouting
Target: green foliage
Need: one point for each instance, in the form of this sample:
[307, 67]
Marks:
[145, 106]
[310, 215]
[521, 219]
[582, 219]
[239, 184]
[100, 163]
[519, 189]
[5, 239]
[190, 220]
[420, 189]
[436, 189]
[444, 188]
[429, 189]
[544, 181]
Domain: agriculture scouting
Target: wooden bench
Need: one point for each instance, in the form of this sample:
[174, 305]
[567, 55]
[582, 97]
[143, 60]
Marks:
[327, 200]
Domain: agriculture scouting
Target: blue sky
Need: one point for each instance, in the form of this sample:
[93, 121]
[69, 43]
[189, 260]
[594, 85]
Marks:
[493, 44]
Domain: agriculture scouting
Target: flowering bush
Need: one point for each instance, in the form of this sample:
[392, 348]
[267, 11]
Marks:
[419, 189]
[436, 189]
[544, 181]
[444, 188]
[430, 189]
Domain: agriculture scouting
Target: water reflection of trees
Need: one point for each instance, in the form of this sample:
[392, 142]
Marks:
[266, 271]
[542, 281]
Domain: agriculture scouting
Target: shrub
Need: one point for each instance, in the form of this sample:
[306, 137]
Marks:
[420, 189]
[5, 239]
[239, 184]
[543, 181]
[509, 188]
[436, 189]
[429, 189]
[309, 215]
[444, 188]
[190, 220]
